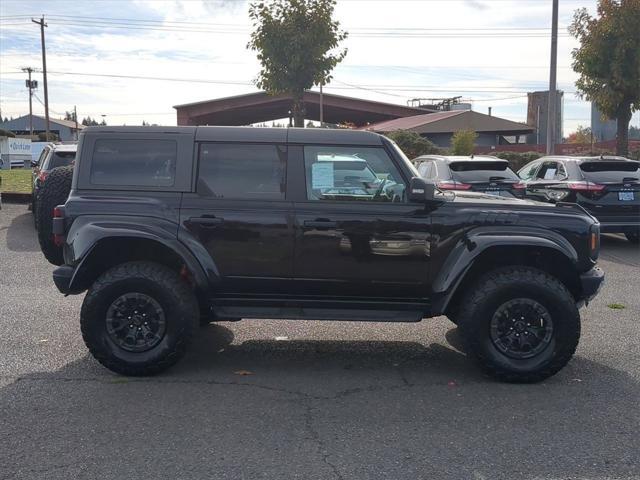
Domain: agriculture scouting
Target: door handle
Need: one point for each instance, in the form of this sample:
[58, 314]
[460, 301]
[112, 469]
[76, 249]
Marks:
[206, 221]
[320, 223]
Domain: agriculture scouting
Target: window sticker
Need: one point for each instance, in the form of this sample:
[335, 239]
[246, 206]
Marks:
[550, 174]
[322, 175]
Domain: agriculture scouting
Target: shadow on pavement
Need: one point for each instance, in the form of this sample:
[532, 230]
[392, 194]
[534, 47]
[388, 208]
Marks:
[21, 234]
[367, 409]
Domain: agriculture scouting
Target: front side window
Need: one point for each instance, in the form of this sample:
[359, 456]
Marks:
[352, 173]
[244, 172]
[129, 162]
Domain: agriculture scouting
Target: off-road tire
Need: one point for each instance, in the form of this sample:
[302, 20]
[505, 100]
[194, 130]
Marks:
[498, 287]
[164, 286]
[633, 237]
[53, 192]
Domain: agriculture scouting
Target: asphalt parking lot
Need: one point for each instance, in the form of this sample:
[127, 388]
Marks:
[309, 400]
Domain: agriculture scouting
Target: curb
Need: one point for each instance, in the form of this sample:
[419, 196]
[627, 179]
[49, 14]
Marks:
[13, 197]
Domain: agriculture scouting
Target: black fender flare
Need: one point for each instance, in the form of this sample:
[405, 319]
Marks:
[472, 244]
[87, 233]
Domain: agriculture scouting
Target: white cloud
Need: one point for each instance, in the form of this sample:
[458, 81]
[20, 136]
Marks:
[509, 64]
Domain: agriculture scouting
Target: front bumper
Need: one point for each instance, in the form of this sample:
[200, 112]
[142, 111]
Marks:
[591, 282]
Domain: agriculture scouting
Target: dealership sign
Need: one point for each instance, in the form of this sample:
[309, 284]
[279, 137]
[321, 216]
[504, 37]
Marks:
[15, 146]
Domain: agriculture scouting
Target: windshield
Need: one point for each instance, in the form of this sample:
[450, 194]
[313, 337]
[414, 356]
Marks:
[610, 171]
[481, 171]
[352, 173]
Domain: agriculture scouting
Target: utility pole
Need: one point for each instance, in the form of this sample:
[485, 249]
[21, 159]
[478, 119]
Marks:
[75, 117]
[551, 110]
[44, 74]
[321, 108]
[31, 85]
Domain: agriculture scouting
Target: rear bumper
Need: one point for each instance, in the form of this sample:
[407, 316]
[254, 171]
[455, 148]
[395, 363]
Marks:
[62, 278]
[591, 282]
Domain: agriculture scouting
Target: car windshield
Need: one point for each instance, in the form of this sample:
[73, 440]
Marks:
[352, 173]
[608, 171]
[61, 159]
[481, 171]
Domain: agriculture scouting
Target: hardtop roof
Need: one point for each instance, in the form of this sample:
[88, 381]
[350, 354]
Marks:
[255, 134]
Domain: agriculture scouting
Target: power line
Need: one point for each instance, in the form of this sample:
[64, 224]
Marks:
[347, 86]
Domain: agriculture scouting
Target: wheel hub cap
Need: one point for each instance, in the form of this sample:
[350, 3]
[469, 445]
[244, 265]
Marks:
[521, 328]
[135, 322]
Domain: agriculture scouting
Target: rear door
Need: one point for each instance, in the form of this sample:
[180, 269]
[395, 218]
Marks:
[357, 236]
[240, 216]
[614, 194]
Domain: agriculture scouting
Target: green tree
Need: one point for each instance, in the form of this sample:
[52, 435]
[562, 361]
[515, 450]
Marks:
[581, 135]
[412, 144]
[297, 45]
[608, 61]
[71, 116]
[462, 142]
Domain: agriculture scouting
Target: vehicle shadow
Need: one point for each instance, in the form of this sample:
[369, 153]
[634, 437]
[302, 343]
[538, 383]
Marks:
[368, 407]
[21, 234]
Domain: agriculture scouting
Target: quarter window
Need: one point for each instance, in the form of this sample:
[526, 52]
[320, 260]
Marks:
[145, 163]
[250, 172]
[352, 173]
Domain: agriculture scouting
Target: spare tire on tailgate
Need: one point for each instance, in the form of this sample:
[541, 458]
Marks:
[54, 191]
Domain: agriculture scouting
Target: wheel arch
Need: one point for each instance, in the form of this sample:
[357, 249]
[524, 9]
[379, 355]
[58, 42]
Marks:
[478, 255]
[111, 250]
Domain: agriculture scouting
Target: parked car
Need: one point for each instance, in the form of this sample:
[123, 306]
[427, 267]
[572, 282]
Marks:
[607, 187]
[168, 226]
[481, 173]
[52, 156]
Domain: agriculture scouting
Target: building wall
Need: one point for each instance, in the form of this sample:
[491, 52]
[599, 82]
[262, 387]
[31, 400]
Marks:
[537, 111]
[603, 129]
[22, 123]
[443, 140]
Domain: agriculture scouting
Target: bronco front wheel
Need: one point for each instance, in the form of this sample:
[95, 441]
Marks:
[138, 318]
[521, 324]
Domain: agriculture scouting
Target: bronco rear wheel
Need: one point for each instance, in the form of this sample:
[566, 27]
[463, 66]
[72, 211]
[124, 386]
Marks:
[138, 318]
[520, 324]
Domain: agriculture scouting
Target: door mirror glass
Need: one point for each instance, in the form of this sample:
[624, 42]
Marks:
[421, 190]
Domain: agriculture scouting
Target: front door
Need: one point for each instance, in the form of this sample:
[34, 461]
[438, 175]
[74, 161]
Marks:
[356, 234]
[240, 216]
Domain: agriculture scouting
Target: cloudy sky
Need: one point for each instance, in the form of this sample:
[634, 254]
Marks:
[132, 60]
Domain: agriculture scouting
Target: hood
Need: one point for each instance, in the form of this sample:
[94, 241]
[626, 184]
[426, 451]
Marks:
[494, 200]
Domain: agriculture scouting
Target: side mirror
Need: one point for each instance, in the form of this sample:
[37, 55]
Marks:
[34, 163]
[421, 191]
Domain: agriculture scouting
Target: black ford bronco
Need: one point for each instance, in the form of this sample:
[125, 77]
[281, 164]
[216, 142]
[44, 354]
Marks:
[169, 227]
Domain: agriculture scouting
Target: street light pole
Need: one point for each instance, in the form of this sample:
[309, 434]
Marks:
[551, 110]
[30, 85]
[44, 74]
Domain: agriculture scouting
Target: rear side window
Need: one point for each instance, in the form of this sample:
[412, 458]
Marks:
[145, 163]
[610, 171]
[245, 172]
[527, 172]
[481, 171]
[61, 159]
